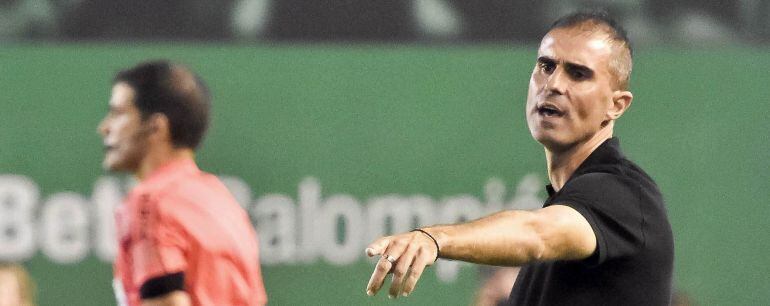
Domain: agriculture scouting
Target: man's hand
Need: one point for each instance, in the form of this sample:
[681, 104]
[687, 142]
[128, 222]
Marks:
[406, 256]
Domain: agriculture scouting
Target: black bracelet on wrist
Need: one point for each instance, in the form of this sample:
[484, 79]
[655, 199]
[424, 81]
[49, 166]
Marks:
[431, 238]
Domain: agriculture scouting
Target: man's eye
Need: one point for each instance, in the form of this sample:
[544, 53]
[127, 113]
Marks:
[546, 67]
[578, 74]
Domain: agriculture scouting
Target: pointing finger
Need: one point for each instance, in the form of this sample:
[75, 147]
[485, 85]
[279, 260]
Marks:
[378, 276]
[401, 270]
[391, 255]
[377, 247]
[418, 266]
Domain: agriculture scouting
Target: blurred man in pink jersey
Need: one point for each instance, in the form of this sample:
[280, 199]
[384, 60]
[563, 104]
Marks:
[183, 239]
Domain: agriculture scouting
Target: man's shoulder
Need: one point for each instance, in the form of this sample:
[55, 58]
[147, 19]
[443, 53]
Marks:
[621, 169]
[610, 159]
[183, 190]
[599, 180]
[621, 182]
[610, 182]
[187, 184]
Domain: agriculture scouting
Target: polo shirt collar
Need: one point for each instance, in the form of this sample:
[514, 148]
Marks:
[168, 172]
[607, 153]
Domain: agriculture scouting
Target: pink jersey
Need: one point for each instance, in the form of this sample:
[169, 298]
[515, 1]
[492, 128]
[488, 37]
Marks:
[180, 219]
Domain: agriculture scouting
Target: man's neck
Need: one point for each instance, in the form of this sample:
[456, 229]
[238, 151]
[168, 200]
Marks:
[160, 156]
[562, 164]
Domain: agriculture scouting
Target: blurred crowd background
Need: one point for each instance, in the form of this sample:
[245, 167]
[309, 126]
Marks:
[650, 22]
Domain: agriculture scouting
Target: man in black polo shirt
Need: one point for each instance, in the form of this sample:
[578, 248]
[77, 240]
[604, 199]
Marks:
[602, 237]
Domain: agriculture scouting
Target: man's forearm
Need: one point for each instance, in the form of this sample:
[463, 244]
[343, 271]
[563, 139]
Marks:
[516, 237]
[507, 238]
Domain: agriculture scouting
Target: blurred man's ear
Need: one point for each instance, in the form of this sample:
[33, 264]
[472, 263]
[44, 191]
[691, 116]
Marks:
[159, 127]
[621, 101]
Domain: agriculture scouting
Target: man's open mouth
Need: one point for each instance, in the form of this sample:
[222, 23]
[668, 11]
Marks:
[549, 111]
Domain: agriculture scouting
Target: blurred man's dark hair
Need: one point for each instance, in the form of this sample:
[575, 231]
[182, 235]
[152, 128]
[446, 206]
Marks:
[174, 91]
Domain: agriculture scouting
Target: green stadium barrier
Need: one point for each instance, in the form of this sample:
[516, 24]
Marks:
[330, 146]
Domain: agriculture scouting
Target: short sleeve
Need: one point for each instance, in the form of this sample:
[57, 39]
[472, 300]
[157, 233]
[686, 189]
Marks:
[160, 242]
[610, 204]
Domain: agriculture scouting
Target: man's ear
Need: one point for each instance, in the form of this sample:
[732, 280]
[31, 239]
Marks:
[159, 127]
[621, 101]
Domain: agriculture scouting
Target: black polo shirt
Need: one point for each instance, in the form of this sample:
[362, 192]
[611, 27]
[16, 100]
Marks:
[634, 256]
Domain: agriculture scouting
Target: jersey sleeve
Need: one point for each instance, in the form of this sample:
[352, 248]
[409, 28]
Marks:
[161, 242]
[610, 204]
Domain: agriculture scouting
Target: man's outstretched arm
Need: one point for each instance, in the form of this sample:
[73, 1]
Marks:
[508, 238]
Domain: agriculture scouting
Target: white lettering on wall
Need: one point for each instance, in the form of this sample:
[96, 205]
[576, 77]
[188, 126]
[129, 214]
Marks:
[64, 228]
[313, 227]
[106, 197]
[347, 248]
[18, 199]
[274, 215]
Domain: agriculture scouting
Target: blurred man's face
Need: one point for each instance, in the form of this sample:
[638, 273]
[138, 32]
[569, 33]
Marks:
[124, 134]
[570, 90]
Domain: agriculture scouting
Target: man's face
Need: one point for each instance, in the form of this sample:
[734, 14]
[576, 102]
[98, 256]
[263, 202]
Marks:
[123, 132]
[570, 90]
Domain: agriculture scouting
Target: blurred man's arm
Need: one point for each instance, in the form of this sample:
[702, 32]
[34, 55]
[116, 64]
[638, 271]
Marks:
[497, 287]
[175, 298]
[508, 238]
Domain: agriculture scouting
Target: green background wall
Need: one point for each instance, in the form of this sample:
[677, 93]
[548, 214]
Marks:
[433, 120]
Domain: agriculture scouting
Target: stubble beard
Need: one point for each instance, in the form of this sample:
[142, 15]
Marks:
[129, 155]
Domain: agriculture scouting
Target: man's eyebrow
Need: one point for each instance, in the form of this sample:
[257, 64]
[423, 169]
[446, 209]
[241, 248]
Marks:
[568, 65]
[584, 69]
[545, 59]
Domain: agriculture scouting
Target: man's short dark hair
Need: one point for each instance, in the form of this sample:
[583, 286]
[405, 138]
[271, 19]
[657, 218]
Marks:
[599, 20]
[174, 91]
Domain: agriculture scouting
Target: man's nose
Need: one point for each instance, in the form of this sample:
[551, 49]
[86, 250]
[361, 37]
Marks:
[556, 83]
[102, 129]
